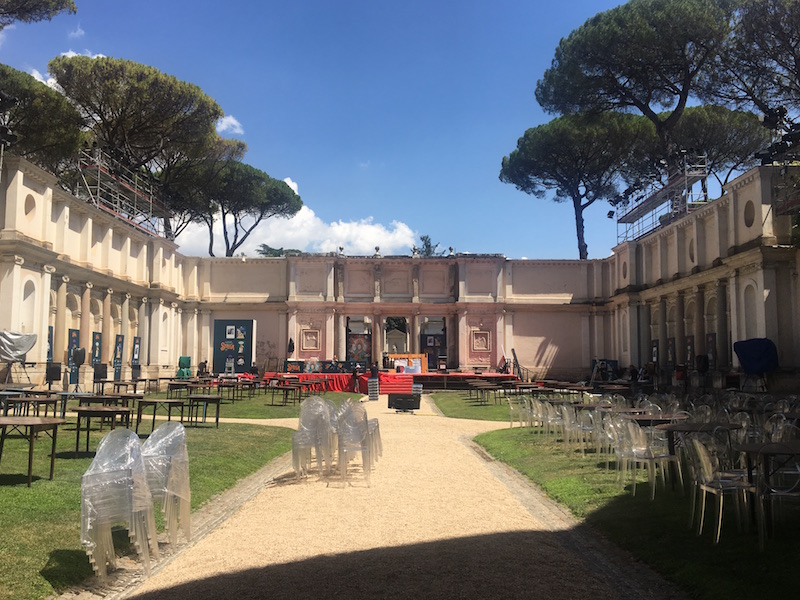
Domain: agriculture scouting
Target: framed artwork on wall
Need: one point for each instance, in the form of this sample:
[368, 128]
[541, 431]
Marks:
[310, 339]
[481, 341]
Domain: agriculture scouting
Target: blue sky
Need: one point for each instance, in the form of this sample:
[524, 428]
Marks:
[391, 118]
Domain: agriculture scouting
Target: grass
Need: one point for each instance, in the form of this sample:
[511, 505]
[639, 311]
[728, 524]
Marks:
[457, 406]
[40, 549]
[656, 532]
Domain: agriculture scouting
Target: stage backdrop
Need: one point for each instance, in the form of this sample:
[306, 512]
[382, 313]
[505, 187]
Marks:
[233, 345]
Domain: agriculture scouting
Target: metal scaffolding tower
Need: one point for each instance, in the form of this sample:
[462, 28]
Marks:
[131, 196]
[660, 206]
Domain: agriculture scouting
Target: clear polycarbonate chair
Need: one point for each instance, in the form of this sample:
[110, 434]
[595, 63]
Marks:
[711, 480]
[518, 408]
[166, 462]
[114, 491]
[314, 432]
[654, 457]
[353, 432]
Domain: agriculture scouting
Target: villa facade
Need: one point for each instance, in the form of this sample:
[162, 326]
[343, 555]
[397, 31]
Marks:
[70, 269]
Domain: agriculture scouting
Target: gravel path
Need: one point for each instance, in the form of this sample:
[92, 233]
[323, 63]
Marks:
[440, 519]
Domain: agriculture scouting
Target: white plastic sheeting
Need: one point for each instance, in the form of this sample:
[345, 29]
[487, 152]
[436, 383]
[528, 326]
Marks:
[114, 491]
[166, 462]
[14, 345]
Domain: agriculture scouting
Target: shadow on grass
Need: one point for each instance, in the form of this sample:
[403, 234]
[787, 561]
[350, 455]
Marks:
[12, 479]
[65, 568]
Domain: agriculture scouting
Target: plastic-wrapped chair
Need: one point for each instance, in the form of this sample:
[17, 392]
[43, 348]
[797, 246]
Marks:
[314, 431]
[114, 490]
[353, 430]
[166, 463]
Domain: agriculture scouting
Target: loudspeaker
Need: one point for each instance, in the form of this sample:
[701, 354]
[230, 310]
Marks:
[53, 372]
[701, 363]
[100, 372]
[79, 356]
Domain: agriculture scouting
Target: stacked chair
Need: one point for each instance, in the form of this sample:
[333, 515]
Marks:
[326, 431]
[120, 486]
[166, 463]
[315, 431]
[114, 491]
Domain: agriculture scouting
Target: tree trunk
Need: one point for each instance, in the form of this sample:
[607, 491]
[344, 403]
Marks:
[583, 251]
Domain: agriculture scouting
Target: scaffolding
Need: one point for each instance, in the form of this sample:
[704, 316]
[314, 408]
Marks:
[129, 195]
[659, 206]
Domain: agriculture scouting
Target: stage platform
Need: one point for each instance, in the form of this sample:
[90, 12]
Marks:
[392, 382]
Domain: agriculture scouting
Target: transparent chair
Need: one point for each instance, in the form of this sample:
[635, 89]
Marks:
[166, 463]
[314, 432]
[710, 480]
[518, 407]
[114, 491]
[655, 458]
[353, 432]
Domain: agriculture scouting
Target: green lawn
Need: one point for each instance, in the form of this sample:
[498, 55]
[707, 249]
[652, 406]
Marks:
[40, 550]
[656, 532]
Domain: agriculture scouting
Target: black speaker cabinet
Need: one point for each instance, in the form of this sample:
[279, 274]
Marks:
[404, 402]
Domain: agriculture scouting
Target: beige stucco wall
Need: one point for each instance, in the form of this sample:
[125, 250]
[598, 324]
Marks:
[723, 269]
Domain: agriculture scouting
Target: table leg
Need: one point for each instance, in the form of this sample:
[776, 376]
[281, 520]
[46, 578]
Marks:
[89, 429]
[53, 452]
[139, 414]
[78, 435]
[31, 431]
[2, 441]
[217, 416]
[155, 410]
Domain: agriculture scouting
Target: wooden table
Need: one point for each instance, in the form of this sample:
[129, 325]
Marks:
[32, 425]
[155, 403]
[110, 412]
[195, 400]
[769, 453]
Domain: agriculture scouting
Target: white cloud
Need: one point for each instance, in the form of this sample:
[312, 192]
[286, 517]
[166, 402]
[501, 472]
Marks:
[291, 184]
[307, 232]
[229, 124]
[49, 82]
[77, 33]
[70, 53]
[3, 32]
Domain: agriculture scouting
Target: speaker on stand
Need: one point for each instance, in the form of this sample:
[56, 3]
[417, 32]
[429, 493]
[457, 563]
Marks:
[78, 358]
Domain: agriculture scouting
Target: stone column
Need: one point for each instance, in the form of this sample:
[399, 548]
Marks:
[125, 322]
[680, 329]
[415, 332]
[341, 335]
[144, 333]
[107, 341]
[662, 332]
[60, 327]
[699, 322]
[723, 358]
[86, 317]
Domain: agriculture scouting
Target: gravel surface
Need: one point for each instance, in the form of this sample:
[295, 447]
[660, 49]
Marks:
[439, 519]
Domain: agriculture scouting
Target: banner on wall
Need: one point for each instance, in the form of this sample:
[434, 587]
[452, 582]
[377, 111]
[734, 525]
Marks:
[654, 353]
[73, 342]
[711, 348]
[137, 346]
[233, 345]
[671, 352]
[49, 343]
[690, 352]
[118, 345]
[97, 340]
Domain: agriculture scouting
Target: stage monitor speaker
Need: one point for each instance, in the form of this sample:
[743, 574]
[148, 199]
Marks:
[53, 372]
[79, 356]
[701, 363]
[100, 372]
